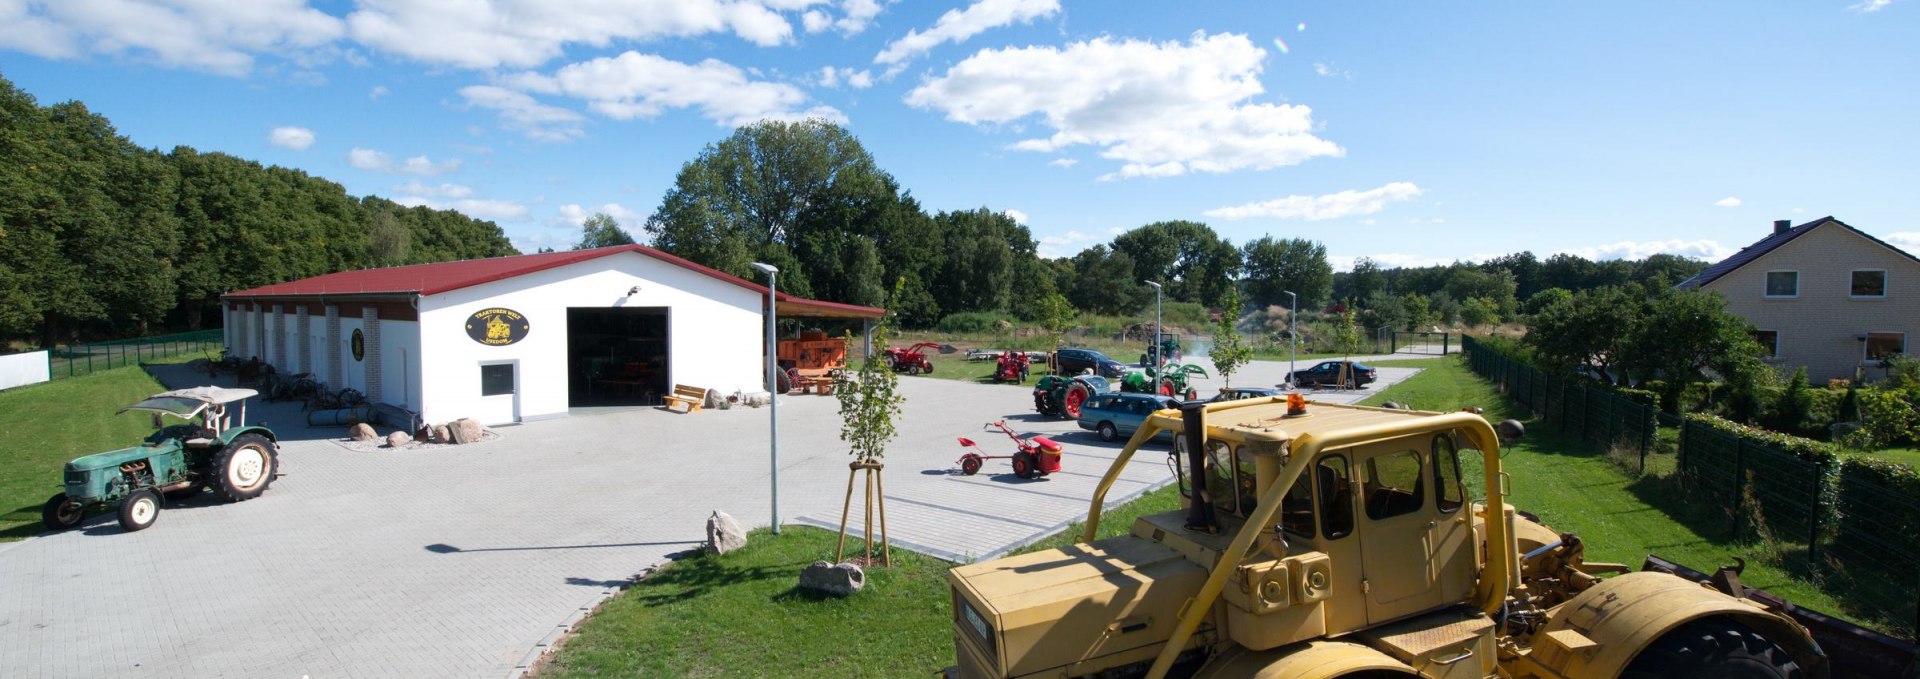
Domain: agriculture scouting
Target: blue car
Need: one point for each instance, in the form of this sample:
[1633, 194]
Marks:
[1119, 414]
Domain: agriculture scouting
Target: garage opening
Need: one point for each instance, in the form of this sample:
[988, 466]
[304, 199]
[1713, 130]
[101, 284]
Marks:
[617, 356]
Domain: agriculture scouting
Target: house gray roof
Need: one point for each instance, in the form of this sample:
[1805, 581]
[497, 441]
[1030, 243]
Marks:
[1772, 241]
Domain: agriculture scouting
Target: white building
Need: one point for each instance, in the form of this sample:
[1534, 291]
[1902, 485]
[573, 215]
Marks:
[520, 338]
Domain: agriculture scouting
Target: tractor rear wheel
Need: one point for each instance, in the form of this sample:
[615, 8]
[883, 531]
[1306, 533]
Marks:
[243, 469]
[61, 512]
[139, 510]
[1077, 394]
[1166, 386]
[1023, 465]
[1713, 648]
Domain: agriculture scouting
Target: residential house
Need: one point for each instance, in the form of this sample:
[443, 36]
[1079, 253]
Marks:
[1823, 295]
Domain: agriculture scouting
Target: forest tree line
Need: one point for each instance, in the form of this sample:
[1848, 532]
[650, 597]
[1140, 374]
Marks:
[101, 238]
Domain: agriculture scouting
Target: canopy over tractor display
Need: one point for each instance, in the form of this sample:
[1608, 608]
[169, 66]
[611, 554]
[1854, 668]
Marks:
[1339, 541]
[1060, 396]
[1168, 380]
[212, 449]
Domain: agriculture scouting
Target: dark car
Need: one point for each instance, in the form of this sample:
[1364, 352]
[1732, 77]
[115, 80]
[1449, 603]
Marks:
[1244, 393]
[1327, 373]
[1119, 414]
[1076, 361]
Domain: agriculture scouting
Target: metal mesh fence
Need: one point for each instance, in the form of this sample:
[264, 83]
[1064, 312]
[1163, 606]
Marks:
[74, 360]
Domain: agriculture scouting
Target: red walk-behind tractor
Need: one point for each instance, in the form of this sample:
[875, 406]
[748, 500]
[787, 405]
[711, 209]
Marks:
[913, 360]
[1011, 366]
[1038, 456]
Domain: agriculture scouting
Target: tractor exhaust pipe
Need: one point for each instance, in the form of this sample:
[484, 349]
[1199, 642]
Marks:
[1193, 425]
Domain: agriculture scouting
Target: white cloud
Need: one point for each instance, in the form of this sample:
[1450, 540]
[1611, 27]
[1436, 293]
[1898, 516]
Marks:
[1870, 5]
[219, 37]
[1065, 245]
[1799, 211]
[1708, 250]
[1161, 109]
[417, 189]
[369, 159]
[959, 24]
[856, 15]
[1906, 240]
[377, 92]
[634, 85]
[497, 210]
[573, 215]
[1330, 70]
[1064, 162]
[832, 78]
[1315, 208]
[484, 35]
[1395, 260]
[296, 138]
[520, 112]
[860, 80]
[1729, 201]
[1017, 216]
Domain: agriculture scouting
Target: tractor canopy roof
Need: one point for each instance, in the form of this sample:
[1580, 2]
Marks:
[186, 403]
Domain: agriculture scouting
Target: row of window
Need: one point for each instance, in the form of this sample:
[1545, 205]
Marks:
[1874, 345]
[1862, 284]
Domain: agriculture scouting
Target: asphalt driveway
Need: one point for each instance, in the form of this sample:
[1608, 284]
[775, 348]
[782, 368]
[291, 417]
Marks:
[464, 561]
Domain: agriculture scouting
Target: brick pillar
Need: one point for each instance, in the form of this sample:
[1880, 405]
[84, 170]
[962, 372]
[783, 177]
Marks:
[259, 325]
[303, 326]
[279, 359]
[370, 319]
[333, 346]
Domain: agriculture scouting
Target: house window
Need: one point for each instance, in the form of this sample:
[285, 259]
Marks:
[1769, 342]
[496, 379]
[1783, 284]
[1869, 283]
[1882, 345]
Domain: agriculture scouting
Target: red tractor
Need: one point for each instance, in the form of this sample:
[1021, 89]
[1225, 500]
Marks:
[1038, 456]
[1012, 366]
[912, 360]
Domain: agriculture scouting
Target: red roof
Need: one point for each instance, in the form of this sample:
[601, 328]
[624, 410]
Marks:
[433, 279]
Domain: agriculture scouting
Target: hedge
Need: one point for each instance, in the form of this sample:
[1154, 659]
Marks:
[1805, 448]
[1878, 503]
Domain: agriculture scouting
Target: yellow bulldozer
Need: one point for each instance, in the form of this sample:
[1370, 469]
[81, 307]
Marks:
[1320, 540]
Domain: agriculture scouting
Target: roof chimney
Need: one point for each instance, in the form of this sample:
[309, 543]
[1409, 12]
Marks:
[1781, 226]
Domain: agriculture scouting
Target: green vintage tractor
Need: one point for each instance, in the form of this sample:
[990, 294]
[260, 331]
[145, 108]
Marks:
[1061, 396]
[1168, 346]
[1168, 380]
[213, 449]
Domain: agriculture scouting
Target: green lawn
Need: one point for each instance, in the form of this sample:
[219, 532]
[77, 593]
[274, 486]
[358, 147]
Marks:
[42, 426]
[1622, 518]
[1907, 456]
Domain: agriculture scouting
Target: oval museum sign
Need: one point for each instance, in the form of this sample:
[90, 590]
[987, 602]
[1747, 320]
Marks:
[496, 326]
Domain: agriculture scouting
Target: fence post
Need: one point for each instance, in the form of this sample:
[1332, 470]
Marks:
[1446, 343]
[1739, 481]
[1648, 422]
[1813, 520]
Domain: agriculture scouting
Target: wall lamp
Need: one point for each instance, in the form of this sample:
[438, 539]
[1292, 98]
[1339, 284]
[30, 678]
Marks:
[635, 290]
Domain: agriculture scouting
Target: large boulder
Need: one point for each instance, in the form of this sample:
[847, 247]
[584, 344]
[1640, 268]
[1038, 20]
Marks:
[397, 439]
[465, 430]
[842, 579]
[362, 432]
[441, 434]
[724, 534]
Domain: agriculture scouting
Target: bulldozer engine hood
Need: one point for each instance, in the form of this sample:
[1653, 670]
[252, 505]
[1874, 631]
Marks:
[1064, 607]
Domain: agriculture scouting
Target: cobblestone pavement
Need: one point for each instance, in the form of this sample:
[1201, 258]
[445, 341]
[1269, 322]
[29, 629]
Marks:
[466, 560]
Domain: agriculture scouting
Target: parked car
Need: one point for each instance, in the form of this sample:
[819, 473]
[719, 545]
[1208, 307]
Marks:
[1119, 414]
[1075, 361]
[1243, 393]
[1327, 373]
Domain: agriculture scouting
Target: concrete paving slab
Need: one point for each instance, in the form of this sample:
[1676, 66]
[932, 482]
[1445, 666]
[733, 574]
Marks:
[459, 561]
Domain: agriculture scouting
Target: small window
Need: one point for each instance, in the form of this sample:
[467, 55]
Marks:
[1869, 283]
[1245, 481]
[1296, 509]
[1220, 482]
[1783, 284]
[1769, 342]
[1393, 485]
[1885, 345]
[496, 379]
[1446, 473]
[1336, 497]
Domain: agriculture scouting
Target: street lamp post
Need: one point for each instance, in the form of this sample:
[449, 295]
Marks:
[1293, 336]
[773, 389]
[1155, 342]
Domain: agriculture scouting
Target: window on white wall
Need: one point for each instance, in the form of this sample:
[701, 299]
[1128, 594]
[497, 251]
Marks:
[496, 379]
[1782, 284]
[1769, 342]
[1883, 345]
[1869, 283]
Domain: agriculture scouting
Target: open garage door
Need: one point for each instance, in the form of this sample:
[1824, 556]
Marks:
[617, 356]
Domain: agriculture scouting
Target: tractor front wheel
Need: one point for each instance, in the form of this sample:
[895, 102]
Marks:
[1023, 465]
[970, 464]
[61, 512]
[1713, 648]
[139, 510]
[243, 469]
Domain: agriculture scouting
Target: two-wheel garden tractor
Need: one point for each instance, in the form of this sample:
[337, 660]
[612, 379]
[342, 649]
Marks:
[1060, 396]
[213, 449]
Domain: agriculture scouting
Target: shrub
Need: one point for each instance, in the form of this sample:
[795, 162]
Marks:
[1187, 315]
[973, 322]
[1640, 396]
[1874, 501]
[1886, 419]
[1802, 447]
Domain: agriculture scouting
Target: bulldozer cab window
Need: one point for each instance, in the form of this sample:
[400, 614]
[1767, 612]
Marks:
[1244, 480]
[1220, 471]
[1296, 509]
[1446, 473]
[1336, 496]
[1393, 485]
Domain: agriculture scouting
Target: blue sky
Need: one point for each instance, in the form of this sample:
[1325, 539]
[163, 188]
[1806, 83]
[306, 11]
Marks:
[1411, 132]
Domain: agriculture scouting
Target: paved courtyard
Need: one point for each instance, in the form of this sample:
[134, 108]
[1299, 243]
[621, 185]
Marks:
[464, 561]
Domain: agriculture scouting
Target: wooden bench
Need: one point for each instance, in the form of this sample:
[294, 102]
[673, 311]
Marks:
[692, 397]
